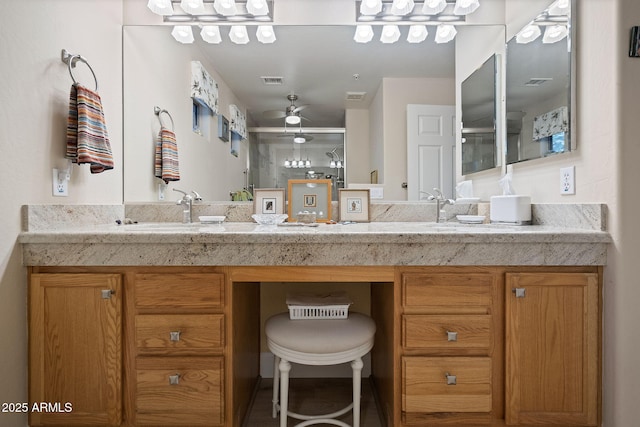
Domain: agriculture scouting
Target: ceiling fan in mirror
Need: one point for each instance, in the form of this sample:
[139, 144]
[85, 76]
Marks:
[291, 114]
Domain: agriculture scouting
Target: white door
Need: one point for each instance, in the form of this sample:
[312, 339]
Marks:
[430, 150]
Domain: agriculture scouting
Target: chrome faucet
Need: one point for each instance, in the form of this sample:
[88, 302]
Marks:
[441, 201]
[187, 203]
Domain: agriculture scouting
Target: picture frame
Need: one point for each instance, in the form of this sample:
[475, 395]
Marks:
[354, 204]
[268, 201]
[374, 177]
[223, 128]
[634, 43]
[311, 195]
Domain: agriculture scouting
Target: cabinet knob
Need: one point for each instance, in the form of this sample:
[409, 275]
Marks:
[519, 292]
[174, 379]
[174, 335]
[106, 293]
[451, 379]
[452, 336]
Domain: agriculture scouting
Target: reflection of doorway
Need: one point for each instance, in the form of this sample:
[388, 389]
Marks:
[270, 148]
[430, 148]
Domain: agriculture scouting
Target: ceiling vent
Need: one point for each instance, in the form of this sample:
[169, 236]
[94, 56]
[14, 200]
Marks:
[538, 81]
[356, 96]
[272, 80]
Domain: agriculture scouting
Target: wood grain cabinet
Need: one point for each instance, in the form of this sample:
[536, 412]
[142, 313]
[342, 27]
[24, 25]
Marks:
[552, 335]
[178, 328]
[448, 347]
[75, 349]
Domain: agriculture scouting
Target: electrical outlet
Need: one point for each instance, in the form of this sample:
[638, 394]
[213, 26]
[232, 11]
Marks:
[567, 180]
[60, 187]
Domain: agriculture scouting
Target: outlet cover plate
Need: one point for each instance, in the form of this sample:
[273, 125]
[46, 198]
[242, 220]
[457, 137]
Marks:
[568, 180]
[60, 187]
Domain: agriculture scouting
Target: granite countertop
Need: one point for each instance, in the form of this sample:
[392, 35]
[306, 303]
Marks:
[375, 243]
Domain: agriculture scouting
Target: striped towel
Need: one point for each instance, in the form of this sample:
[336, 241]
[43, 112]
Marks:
[87, 138]
[166, 159]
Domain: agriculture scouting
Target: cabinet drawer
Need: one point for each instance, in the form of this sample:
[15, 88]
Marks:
[179, 391]
[448, 332]
[426, 387]
[193, 290]
[179, 331]
[438, 290]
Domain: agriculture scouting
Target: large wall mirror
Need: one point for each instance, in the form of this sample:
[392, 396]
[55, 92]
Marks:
[317, 63]
[539, 69]
[478, 94]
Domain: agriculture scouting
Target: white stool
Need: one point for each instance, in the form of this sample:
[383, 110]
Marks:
[317, 342]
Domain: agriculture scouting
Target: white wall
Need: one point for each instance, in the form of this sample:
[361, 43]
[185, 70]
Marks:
[34, 98]
[162, 77]
[357, 146]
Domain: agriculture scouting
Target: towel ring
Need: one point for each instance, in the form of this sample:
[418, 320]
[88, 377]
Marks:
[72, 60]
[158, 111]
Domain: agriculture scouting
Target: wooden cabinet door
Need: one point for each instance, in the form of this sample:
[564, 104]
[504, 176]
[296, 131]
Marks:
[552, 355]
[75, 349]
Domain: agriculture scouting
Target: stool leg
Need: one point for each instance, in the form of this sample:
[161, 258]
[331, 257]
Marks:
[276, 385]
[285, 367]
[356, 366]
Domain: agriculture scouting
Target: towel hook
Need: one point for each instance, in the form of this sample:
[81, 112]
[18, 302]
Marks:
[71, 60]
[158, 111]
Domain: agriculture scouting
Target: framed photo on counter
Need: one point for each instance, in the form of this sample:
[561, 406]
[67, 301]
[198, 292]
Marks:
[354, 205]
[310, 195]
[268, 201]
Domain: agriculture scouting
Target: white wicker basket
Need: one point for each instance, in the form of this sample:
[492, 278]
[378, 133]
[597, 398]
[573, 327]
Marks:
[318, 311]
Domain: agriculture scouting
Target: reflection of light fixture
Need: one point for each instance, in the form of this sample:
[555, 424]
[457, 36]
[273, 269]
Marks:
[334, 163]
[238, 34]
[265, 34]
[417, 33]
[192, 7]
[287, 163]
[211, 34]
[464, 7]
[433, 7]
[292, 118]
[225, 7]
[390, 34]
[299, 139]
[401, 7]
[182, 33]
[445, 33]
[160, 7]
[528, 34]
[554, 33]
[370, 7]
[561, 7]
[257, 7]
[364, 34]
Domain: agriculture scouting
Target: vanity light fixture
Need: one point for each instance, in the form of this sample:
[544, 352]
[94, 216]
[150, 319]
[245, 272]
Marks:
[417, 33]
[465, 7]
[445, 33]
[364, 34]
[433, 7]
[192, 7]
[238, 34]
[402, 7]
[390, 34]
[528, 34]
[370, 7]
[265, 34]
[225, 7]
[182, 33]
[211, 34]
[554, 33]
[257, 7]
[160, 7]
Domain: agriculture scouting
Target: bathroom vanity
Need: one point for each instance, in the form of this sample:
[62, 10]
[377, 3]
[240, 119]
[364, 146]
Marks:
[158, 323]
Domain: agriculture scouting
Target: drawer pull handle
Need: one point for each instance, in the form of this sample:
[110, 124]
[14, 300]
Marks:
[519, 292]
[174, 379]
[106, 293]
[451, 379]
[452, 336]
[174, 335]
